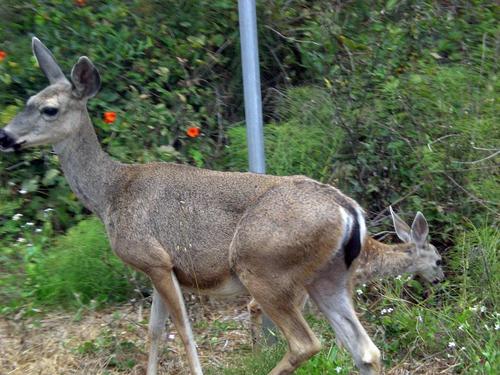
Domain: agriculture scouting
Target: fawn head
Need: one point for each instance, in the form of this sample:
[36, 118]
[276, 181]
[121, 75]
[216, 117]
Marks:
[55, 112]
[427, 259]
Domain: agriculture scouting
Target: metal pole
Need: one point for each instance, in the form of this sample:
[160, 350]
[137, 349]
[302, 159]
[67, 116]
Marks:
[253, 109]
[251, 85]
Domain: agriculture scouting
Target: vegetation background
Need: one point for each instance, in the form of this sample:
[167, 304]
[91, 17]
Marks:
[394, 102]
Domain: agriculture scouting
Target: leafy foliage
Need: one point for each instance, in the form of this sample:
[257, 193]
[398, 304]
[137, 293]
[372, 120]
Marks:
[393, 102]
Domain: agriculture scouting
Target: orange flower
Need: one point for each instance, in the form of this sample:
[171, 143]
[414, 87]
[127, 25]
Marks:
[193, 131]
[3, 55]
[81, 3]
[109, 117]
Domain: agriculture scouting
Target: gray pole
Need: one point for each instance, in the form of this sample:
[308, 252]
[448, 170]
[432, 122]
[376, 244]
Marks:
[251, 85]
[253, 109]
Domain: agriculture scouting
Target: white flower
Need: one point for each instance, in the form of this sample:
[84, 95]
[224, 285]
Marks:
[38, 230]
[29, 244]
[171, 336]
[11, 183]
[21, 240]
[419, 319]
[359, 291]
[30, 224]
[338, 369]
[364, 285]
[22, 191]
[451, 344]
[48, 210]
[386, 311]
[482, 309]
[398, 277]
[473, 308]
[497, 327]
[461, 327]
[16, 217]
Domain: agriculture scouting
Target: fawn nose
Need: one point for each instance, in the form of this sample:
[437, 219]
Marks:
[6, 140]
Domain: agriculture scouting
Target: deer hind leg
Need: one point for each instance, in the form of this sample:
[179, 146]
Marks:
[283, 306]
[157, 322]
[168, 288]
[256, 326]
[331, 293]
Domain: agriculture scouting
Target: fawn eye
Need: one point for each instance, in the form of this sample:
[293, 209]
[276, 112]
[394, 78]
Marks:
[49, 111]
[438, 262]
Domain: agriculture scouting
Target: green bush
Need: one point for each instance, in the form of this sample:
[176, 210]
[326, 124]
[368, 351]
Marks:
[78, 268]
[305, 141]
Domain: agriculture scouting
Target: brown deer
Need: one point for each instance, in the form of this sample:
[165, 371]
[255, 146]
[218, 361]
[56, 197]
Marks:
[378, 260]
[215, 232]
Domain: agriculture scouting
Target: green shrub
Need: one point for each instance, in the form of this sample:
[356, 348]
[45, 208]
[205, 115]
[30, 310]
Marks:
[78, 268]
[304, 142]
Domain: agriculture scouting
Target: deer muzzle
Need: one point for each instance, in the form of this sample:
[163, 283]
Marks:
[7, 141]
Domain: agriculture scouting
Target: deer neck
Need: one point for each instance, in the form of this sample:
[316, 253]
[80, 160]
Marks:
[89, 171]
[379, 260]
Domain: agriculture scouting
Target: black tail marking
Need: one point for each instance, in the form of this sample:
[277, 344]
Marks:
[352, 247]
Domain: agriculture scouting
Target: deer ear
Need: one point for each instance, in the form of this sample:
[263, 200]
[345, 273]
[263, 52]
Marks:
[419, 229]
[402, 229]
[47, 62]
[85, 78]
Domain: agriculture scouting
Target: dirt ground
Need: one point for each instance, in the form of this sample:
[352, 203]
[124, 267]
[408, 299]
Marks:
[114, 341]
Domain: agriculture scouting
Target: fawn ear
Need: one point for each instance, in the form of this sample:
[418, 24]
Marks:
[419, 229]
[85, 78]
[402, 229]
[47, 62]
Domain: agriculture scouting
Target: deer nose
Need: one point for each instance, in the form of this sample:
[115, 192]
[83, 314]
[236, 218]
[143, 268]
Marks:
[6, 140]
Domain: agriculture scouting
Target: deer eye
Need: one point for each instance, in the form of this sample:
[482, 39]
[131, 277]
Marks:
[49, 111]
[438, 262]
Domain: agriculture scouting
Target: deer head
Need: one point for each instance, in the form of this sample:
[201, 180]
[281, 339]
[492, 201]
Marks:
[54, 113]
[427, 259]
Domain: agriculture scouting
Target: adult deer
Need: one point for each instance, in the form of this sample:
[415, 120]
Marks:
[378, 260]
[218, 233]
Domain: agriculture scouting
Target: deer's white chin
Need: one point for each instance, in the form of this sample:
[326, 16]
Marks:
[20, 145]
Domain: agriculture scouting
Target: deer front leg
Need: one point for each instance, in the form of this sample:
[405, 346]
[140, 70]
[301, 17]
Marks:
[168, 288]
[331, 294]
[156, 330]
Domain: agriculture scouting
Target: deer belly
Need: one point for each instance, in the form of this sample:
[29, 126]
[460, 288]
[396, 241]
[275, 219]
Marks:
[229, 287]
